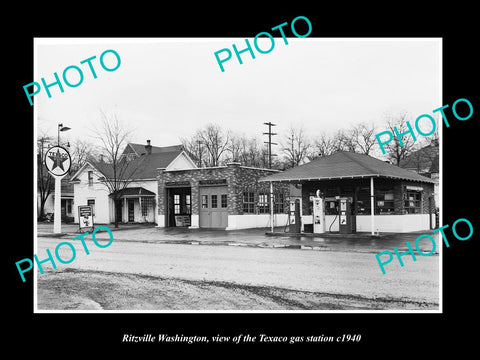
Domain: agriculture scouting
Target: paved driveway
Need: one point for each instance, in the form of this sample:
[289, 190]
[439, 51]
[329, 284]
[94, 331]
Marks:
[250, 237]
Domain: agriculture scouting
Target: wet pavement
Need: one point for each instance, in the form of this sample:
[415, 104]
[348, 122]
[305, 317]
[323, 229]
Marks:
[263, 238]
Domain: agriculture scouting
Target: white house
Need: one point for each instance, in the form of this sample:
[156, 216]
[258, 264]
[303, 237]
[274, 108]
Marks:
[138, 199]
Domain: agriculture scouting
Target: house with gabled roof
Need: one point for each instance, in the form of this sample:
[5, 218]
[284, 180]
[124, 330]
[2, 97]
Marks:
[138, 199]
[383, 197]
[133, 150]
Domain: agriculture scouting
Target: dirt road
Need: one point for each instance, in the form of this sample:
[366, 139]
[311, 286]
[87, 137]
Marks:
[167, 276]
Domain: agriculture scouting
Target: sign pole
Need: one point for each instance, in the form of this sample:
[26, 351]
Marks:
[57, 221]
[271, 206]
[372, 207]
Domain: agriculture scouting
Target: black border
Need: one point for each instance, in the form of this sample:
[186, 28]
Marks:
[402, 333]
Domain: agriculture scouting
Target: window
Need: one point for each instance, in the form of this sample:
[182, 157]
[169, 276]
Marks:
[363, 205]
[69, 206]
[90, 178]
[176, 204]
[91, 202]
[412, 201]
[384, 203]
[204, 201]
[263, 203]
[188, 205]
[214, 201]
[278, 206]
[146, 203]
[248, 202]
[224, 201]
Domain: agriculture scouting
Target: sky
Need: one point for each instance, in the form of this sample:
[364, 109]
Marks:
[167, 88]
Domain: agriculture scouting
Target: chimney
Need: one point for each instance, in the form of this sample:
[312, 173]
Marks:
[148, 148]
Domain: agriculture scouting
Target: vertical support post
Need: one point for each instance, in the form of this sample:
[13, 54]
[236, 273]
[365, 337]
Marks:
[271, 205]
[124, 210]
[57, 216]
[430, 212]
[372, 206]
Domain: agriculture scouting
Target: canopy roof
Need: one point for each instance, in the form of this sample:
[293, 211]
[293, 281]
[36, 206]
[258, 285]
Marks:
[345, 165]
[135, 192]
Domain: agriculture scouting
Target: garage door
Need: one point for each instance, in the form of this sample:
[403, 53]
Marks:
[213, 207]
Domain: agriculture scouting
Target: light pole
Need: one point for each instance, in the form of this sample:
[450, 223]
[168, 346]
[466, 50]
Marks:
[57, 216]
[61, 128]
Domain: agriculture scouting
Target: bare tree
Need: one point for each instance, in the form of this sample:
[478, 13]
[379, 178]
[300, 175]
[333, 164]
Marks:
[251, 152]
[323, 145]
[433, 139]
[345, 140]
[363, 137]
[296, 147]
[215, 140]
[45, 181]
[234, 147]
[341, 140]
[194, 146]
[81, 151]
[359, 138]
[394, 150]
[246, 150]
[117, 171]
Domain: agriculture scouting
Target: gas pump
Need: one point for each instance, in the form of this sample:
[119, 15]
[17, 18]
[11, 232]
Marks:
[294, 218]
[347, 221]
[318, 214]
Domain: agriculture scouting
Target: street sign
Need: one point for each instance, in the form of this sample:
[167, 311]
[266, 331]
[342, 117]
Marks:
[85, 216]
[58, 161]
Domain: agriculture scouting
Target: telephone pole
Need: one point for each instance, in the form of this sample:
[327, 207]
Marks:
[269, 142]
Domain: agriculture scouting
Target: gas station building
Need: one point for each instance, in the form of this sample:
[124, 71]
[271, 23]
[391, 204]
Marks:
[223, 197]
[348, 192]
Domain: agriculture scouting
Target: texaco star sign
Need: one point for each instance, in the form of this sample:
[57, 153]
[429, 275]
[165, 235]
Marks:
[58, 161]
